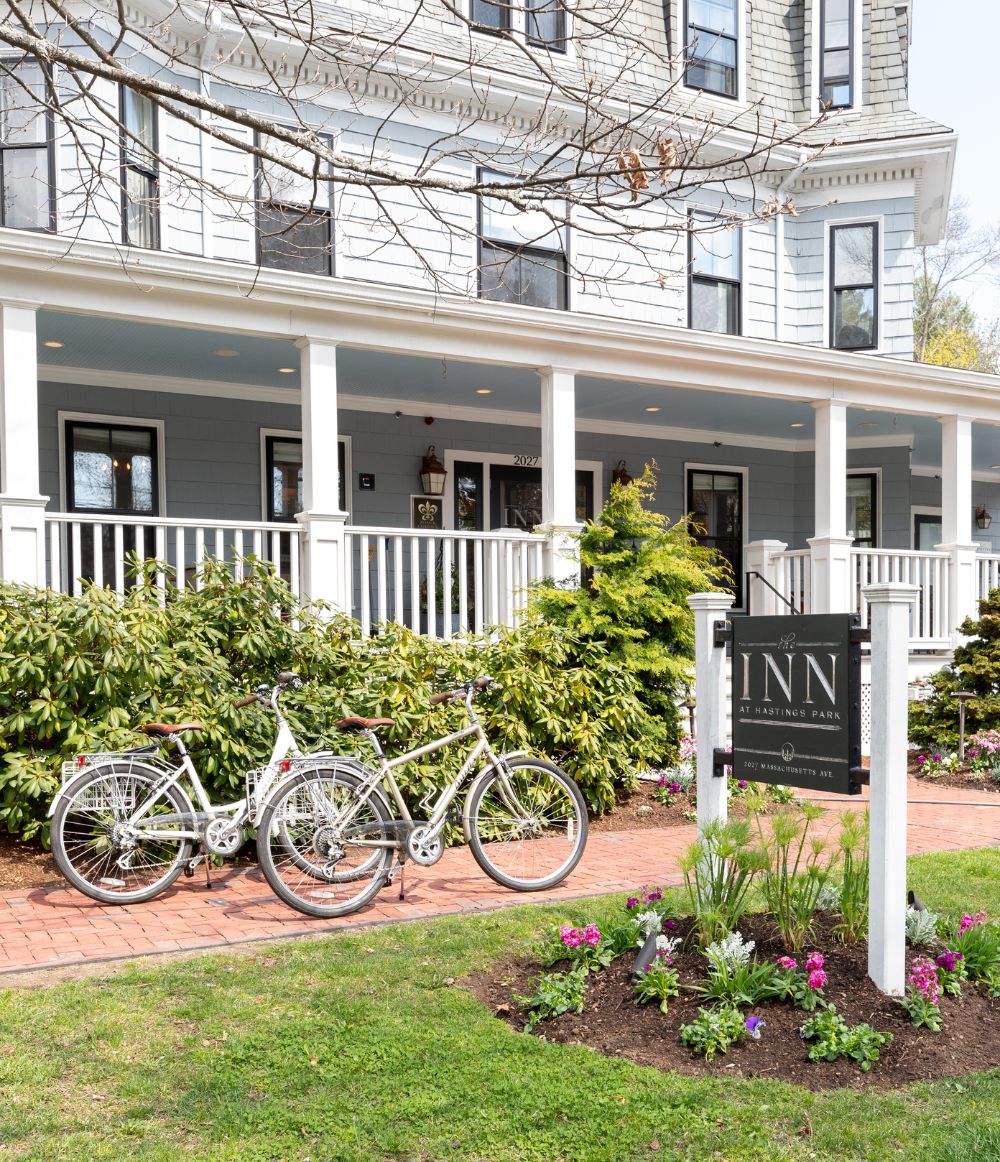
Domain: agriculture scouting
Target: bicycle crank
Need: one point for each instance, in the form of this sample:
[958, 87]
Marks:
[423, 847]
[223, 837]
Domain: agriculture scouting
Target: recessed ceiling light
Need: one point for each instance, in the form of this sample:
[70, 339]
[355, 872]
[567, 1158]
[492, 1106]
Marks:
[283, 370]
[800, 424]
[652, 409]
[226, 352]
[53, 343]
[869, 424]
[484, 391]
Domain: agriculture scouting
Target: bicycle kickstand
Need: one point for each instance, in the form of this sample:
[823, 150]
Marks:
[208, 873]
[401, 873]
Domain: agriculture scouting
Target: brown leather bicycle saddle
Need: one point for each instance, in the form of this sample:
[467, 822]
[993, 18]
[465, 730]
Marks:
[164, 730]
[357, 723]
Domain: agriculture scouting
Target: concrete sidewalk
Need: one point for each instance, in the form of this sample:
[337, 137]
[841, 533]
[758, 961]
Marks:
[56, 927]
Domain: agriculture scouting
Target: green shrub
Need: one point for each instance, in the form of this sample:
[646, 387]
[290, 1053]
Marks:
[832, 1037]
[642, 569]
[976, 667]
[83, 673]
[718, 870]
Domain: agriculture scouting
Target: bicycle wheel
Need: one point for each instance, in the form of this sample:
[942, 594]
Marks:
[528, 827]
[312, 864]
[95, 853]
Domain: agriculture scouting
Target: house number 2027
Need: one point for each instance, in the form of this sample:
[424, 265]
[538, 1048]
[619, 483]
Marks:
[526, 461]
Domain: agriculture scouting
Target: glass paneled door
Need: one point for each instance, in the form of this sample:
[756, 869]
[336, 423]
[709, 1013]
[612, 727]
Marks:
[715, 501]
[111, 472]
[926, 532]
[516, 497]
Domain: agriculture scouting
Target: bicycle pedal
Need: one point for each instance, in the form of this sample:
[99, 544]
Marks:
[189, 871]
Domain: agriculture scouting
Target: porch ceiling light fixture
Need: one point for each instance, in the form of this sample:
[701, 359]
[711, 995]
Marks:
[225, 352]
[798, 424]
[652, 409]
[484, 391]
[54, 343]
[983, 517]
[283, 370]
[432, 473]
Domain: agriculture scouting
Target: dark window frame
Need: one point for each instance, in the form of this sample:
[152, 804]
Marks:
[862, 474]
[504, 7]
[825, 80]
[304, 212]
[545, 7]
[49, 147]
[834, 287]
[71, 426]
[270, 439]
[699, 32]
[741, 475]
[130, 160]
[713, 280]
[530, 252]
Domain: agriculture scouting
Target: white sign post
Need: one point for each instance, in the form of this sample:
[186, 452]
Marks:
[890, 607]
[710, 692]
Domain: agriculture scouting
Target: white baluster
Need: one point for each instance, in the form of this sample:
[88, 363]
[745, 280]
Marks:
[55, 557]
[415, 584]
[98, 542]
[479, 595]
[446, 587]
[365, 581]
[431, 588]
[397, 580]
[380, 580]
[463, 586]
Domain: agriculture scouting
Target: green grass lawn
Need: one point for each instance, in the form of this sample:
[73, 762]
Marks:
[358, 1047]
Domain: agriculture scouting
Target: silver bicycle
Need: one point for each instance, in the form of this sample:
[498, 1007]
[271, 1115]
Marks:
[329, 837]
[124, 825]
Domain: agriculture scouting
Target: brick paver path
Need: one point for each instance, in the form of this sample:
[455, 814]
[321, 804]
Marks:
[57, 926]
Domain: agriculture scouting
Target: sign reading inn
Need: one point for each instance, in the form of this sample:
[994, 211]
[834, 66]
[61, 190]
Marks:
[797, 702]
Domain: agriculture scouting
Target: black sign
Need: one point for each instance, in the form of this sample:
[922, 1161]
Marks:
[366, 481]
[797, 702]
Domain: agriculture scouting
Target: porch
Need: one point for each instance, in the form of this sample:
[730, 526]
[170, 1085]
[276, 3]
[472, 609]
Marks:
[815, 472]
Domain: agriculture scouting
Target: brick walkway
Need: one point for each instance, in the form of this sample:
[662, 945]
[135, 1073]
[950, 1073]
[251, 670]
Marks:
[58, 927]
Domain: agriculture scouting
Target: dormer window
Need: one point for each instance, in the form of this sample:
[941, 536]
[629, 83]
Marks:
[712, 46]
[540, 22]
[27, 188]
[836, 53]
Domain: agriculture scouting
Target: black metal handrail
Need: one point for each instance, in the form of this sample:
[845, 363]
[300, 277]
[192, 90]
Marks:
[777, 593]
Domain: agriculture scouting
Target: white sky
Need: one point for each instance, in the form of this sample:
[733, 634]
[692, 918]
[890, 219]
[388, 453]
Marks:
[953, 79]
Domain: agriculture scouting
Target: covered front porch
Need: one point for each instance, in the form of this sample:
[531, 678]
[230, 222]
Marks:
[294, 430]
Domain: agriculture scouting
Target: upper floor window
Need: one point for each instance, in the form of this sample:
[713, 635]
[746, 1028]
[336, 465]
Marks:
[542, 22]
[140, 175]
[294, 212]
[522, 255]
[714, 262]
[836, 52]
[854, 286]
[712, 40]
[26, 158]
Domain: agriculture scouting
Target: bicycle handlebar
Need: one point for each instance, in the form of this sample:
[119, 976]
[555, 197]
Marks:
[249, 700]
[477, 685]
[263, 691]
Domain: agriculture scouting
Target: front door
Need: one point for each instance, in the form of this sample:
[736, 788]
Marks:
[516, 497]
[926, 532]
[715, 501]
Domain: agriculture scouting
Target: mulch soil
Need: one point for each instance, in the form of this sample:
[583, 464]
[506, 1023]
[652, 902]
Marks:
[613, 1024]
[25, 865]
[640, 809]
[963, 777]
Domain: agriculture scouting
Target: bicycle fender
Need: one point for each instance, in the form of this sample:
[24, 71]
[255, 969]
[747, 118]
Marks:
[317, 761]
[487, 770]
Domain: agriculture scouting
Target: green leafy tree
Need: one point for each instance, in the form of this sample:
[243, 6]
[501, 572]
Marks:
[948, 333]
[976, 667]
[641, 568]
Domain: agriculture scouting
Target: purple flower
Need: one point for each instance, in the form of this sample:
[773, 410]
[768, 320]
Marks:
[661, 782]
[631, 902]
[675, 788]
[754, 1026]
[947, 960]
[937, 758]
[742, 784]
[921, 759]
[669, 924]
[653, 897]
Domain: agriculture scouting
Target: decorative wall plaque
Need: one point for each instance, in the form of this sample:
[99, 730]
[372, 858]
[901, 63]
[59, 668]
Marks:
[427, 512]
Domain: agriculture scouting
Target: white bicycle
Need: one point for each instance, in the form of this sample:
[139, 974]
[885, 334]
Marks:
[125, 824]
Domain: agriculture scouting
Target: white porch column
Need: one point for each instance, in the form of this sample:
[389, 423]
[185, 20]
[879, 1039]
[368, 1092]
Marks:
[325, 567]
[710, 703]
[956, 520]
[831, 546]
[22, 508]
[559, 473]
[759, 558]
[890, 607]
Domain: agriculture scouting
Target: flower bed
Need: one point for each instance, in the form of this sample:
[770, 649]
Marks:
[981, 769]
[816, 1020]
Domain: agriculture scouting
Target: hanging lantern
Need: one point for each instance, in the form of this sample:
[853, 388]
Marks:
[620, 474]
[432, 474]
[983, 517]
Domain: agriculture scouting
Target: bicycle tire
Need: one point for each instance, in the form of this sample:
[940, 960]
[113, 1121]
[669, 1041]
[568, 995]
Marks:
[498, 830]
[81, 840]
[297, 871]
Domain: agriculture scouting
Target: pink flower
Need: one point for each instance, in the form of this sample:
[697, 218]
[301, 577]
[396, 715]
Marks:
[814, 961]
[592, 935]
[968, 922]
[786, 962]
[817, 978]
[921, 759]
[924, 979]
[675, 788]
[937, 758]
[571, 937]
[742, 784]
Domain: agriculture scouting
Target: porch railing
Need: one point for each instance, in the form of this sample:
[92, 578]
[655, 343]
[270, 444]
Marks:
[929, 571]
[793, 578]
[88, 547]
[440, 583]
[988, 565]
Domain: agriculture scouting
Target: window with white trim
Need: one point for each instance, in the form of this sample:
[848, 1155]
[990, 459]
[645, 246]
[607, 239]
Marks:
[522, 254]
[294, 211]
[541, 22]
[140, 172]
[283, 480]
[836, 53]
[854, 286]
[714, 282]
[27, 187]
[712, 46]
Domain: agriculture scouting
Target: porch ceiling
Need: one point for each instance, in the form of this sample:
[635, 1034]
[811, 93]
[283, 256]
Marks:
[178, 354]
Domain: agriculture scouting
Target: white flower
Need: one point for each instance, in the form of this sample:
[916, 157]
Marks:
[667, 944]
[649, 922]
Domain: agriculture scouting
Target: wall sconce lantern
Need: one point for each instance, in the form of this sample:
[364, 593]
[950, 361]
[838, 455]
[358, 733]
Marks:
[983, 517]
[620, 474]
[432, 474]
